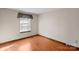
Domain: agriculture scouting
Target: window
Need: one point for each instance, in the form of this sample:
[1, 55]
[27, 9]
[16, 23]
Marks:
[25, 22]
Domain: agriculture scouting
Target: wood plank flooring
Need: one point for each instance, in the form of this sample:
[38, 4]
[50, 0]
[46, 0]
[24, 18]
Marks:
[36, 43]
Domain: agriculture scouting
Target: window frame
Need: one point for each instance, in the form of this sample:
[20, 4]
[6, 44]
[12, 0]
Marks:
[28, 30]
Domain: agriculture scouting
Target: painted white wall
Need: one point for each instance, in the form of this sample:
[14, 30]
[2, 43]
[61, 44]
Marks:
[62, 25]
[9, 26]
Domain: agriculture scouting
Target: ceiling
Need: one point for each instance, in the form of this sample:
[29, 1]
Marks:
[35, 10]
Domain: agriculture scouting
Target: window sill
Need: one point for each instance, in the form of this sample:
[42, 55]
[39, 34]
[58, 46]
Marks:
[25, 31]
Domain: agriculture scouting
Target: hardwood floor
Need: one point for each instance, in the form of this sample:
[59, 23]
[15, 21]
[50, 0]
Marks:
[36, 43]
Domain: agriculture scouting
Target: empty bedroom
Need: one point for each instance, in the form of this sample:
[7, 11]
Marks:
[39, 29]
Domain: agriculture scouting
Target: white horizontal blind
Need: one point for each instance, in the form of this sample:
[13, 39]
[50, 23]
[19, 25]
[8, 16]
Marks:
[25, 24]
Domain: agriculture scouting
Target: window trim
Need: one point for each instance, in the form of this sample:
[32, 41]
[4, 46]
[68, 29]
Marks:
[25, 31]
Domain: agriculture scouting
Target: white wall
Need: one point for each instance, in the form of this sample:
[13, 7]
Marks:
[9, 26]
[62, 25]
